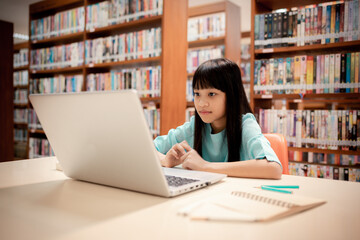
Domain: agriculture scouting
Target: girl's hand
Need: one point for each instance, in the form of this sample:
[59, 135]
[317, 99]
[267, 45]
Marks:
[173, 156]
[192, 160]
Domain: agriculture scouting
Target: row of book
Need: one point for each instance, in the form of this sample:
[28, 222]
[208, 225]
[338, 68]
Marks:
[69, 55]
[119, 11]
[197, 56]
[324, 158]
[57, 84]
[189, 90]
[21, 58]
[21, 78]
[146, 80]
[206, 26]
[245, 51]
[323, 23]
[324, 129]
[39, 147]
[61, 23]
[152, 116]
[20, 150]
[330, 73]
[20, 134]
[134, 45]
[20, 96]
[33, 121]
[20, 115]
[245, 71]
[189, 112]
[328, 172]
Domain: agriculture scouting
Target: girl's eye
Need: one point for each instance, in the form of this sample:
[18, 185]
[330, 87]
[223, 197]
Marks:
[196, 94]
[212, 94]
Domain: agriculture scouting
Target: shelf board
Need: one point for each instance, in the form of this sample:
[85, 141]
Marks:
[57, 70]
[21, 87]
[190, 104]
[21, 45]
[40, 131]
[20, 124]
[122, 26]
[315, 47]
[313, 96]
[207, 42]
[274, 5]
[150, 99]
[327, 151]
[207, 9]
[124, 63]
[20, 105]
[21, 68]
[72, 37]
[326, 164]
[49, 6]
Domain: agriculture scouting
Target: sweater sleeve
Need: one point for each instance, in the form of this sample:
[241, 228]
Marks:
[254, 142]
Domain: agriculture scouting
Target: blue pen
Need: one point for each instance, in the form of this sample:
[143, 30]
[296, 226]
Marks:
[275, 189]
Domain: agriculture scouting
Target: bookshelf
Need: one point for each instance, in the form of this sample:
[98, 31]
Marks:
[6, 92]
[245, 62]
[145, 40]
[334, 154]
[21, 85]
[213, 31]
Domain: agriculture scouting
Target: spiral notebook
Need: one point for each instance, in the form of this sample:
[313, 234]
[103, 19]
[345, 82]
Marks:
[249, 205]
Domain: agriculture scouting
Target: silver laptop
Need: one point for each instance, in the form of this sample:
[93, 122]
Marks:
[103, 137]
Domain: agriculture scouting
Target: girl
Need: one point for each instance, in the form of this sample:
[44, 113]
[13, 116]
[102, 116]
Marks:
[224, 132]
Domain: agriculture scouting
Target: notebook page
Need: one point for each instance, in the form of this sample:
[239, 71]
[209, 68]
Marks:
[231, 207]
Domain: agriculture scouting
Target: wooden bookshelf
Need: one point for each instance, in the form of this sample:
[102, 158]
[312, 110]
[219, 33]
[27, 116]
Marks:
[110, 30]
[327, 151]
[327, 101]
[128, 63]
[73, 37]
[20, 147]
[231, 38]
[357, 166]
[321, 48]
[173, 24]
[6, 92]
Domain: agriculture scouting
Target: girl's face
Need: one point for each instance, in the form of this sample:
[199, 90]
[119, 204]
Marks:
[210, 104]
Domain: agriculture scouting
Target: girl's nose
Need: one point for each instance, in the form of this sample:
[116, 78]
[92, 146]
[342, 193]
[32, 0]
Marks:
[203, 103]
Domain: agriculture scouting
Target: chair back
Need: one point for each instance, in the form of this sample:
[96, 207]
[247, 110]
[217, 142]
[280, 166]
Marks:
[279, 145]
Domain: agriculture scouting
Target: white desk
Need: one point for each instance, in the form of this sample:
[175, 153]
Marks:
[39, 202]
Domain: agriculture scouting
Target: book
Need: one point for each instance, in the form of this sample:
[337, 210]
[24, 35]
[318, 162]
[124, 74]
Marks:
[250, 205]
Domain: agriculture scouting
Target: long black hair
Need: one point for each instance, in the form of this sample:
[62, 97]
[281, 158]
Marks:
[225, 76]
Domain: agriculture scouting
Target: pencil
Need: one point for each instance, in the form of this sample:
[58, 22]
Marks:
[283, 186]
[275, 189]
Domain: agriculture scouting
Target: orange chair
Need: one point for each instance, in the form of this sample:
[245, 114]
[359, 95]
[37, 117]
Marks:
[279, 145]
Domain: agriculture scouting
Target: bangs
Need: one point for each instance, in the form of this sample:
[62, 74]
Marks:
[209, 75]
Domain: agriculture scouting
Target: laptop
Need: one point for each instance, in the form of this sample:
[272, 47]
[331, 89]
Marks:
[103, 138]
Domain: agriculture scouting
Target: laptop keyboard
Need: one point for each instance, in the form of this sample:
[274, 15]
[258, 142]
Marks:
[179, 181]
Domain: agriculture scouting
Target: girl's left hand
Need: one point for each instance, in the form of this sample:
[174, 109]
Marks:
[192, 160]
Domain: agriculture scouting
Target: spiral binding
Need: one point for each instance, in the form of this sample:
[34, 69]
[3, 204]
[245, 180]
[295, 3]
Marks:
[263, 199]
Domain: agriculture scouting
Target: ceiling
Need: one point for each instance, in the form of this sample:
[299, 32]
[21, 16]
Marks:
[17, 12]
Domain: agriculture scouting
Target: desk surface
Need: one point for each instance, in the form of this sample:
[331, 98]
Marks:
[39, 202]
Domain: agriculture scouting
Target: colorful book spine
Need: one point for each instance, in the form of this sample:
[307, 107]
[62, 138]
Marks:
[348, 71]
[309, 73]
